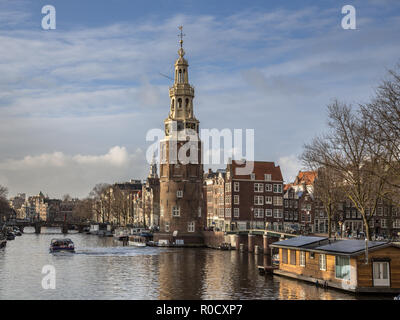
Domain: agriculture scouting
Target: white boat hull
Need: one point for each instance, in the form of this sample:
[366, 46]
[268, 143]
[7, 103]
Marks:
[137, 244]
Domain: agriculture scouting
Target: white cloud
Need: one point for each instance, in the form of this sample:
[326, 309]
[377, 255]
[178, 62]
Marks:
[117, 156]
[58, 173]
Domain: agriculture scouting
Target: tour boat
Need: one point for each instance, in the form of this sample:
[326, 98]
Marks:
[57, 245]
[137, 240]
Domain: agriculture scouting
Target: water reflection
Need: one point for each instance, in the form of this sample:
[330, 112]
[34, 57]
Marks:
[102, 269]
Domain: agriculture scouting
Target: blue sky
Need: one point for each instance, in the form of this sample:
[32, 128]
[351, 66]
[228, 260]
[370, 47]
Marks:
[76, 102]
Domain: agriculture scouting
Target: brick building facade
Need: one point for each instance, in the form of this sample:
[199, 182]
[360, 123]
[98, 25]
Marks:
[241, 202]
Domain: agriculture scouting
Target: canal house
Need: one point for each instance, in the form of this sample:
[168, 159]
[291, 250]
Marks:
[341, 264]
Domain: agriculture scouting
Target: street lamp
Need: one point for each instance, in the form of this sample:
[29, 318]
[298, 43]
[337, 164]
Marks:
[307, 220]
[340, 227]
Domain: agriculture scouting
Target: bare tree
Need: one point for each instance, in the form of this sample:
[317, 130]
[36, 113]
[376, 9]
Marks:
[66, 197]
[99, 202]
[120, 205]
[3, 192]
[83, 209]
[383, 116]
[345, 151]
[4, 204]
[327, 188]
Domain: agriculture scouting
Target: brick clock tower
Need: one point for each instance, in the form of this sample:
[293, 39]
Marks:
[181, 171]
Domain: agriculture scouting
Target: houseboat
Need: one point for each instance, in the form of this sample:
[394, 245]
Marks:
[101, 229]
[121, 234]
[58, 245]
[351, 265]
[137, 240]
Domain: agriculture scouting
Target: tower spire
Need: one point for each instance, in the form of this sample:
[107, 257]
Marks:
[181, 35]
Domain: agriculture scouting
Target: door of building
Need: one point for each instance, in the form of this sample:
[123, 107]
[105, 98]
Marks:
[381, 274]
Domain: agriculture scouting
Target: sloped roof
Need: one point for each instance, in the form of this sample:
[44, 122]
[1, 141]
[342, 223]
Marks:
[300, 241]
[287, 186]
[259, 169]
[306, 177]
[349, 246]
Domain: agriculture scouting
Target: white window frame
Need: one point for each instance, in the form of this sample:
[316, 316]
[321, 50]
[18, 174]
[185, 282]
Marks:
[236, 186]
[179, 193]
[268, 212]
[167, 227]
[191, 226]
[302, 259]
[258, 187]
[322, 261]
[277, 201]
[278, 213]
[348, 275]
[268, 187]
[236, 199]
[258, 200]
[228, 212]
[268, 200]
[253, 176]
[267, 176]
[176, 211]
[236, 212]
[258, 213]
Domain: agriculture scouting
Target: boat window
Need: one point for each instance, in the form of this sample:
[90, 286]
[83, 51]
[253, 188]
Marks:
[342, 267]
[284, 256]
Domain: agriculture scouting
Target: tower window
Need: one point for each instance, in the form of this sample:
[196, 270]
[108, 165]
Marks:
[179, 103]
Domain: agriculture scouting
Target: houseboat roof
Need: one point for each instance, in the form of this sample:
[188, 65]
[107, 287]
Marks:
[299, 242]
[349, 246]
[324, 245]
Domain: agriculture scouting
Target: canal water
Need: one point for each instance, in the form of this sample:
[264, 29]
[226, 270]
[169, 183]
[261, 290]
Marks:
[103, 269]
